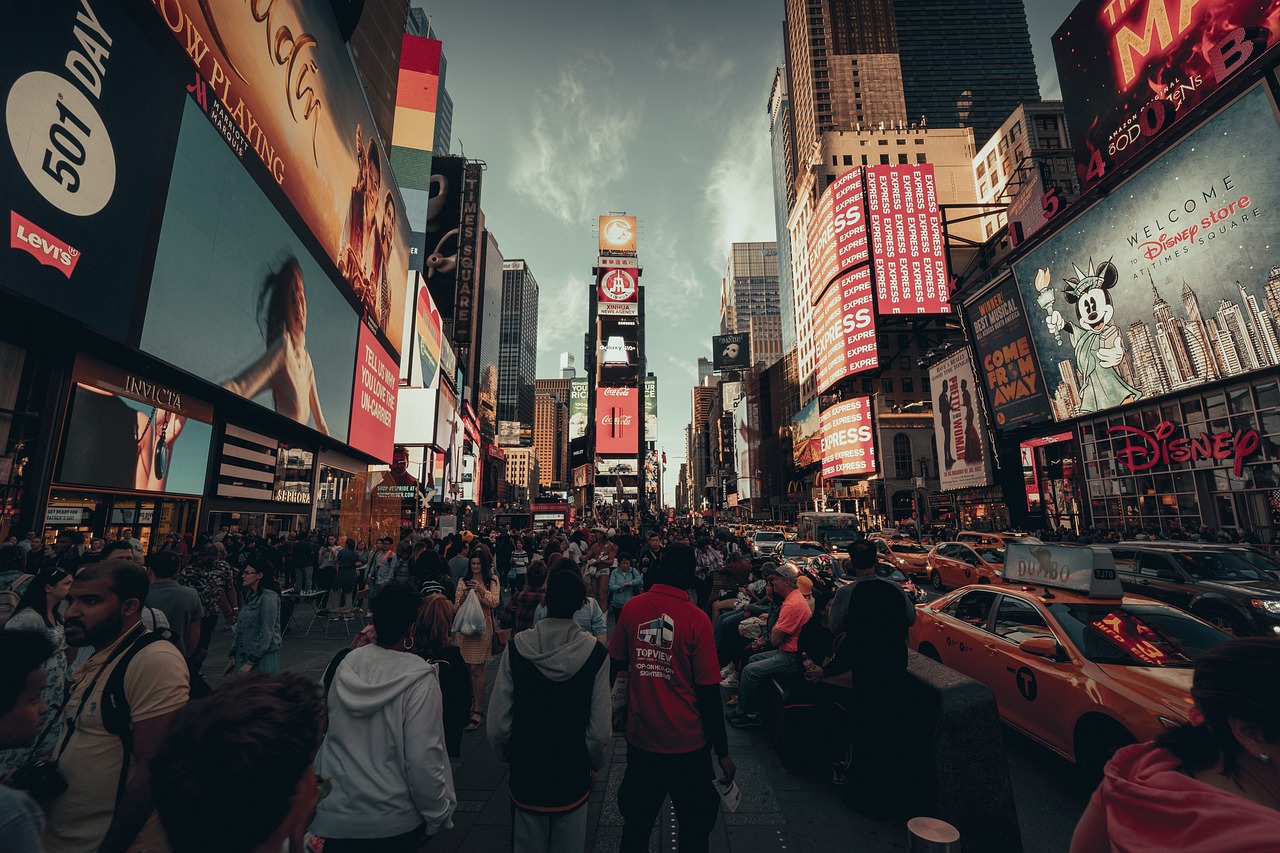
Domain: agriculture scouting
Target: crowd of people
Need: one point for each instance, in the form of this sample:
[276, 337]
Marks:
[112, 740]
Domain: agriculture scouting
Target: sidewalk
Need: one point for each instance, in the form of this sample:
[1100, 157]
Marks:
[778, 812]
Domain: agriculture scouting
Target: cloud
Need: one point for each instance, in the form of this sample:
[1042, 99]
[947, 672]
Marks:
[1049, 88]
[576, 143]
[562, 312]
[738, 193]
[703, 58]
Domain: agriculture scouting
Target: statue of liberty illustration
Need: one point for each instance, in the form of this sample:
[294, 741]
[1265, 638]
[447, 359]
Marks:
[1095, 336]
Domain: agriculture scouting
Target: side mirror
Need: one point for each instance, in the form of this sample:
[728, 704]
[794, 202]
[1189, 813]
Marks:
[1044, 647]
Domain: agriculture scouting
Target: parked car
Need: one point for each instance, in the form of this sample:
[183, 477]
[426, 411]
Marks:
[1219, 584]
[908, 556]
[953, 564]
[978, 537]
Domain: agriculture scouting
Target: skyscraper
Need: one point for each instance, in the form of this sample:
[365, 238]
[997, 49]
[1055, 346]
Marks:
[420, 25]
[750, 289]
[518, 349]
[965, 64]
[551, 430]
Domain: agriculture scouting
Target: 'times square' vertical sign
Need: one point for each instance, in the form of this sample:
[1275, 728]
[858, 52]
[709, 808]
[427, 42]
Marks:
[908, 250]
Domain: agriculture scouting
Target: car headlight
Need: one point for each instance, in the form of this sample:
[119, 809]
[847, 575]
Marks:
[1267, 604]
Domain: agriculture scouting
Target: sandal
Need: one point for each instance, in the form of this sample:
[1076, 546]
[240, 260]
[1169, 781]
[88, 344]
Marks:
[477, 717]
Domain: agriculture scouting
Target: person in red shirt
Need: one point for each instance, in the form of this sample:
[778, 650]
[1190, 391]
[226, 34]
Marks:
[664, 644]
[784, 658]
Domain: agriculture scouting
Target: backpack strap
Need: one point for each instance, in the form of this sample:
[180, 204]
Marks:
[116, 714]
[332, 669]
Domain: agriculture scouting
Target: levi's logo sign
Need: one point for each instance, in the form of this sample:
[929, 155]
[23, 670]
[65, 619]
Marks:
[41, 245]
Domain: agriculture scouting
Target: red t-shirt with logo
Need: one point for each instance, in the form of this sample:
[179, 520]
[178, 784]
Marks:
[792, 617]
[668, 644]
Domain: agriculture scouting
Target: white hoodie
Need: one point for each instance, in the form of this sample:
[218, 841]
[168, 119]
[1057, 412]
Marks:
[384, 749]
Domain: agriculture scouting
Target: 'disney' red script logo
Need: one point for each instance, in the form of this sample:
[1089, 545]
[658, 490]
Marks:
[1146, 450]
[41, 245]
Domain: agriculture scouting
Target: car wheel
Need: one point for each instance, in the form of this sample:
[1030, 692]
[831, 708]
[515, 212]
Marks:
[930, 652]
[936, 579]
[1226, 620]
[1096, 742]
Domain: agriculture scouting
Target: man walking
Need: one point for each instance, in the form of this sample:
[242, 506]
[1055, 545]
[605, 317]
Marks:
[784, 659]
[549, 718]
[180, 605]
[663, 642]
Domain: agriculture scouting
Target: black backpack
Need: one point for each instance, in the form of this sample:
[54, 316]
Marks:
[117, 716]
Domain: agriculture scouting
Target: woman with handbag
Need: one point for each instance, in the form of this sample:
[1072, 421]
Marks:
[477, 649]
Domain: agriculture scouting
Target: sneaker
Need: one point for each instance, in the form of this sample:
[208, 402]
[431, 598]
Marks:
[730, 681]
[745, 721]
[728, 670]
[733, 702]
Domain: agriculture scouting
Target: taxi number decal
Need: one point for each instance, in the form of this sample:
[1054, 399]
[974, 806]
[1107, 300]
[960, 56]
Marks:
[959, 645]
[1026, 679]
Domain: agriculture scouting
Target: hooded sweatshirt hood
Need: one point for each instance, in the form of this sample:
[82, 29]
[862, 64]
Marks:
[557, 647]
[1151, 805]
[371, 676]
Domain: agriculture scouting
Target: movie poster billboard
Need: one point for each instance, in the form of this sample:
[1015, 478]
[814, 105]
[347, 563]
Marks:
[908, 250]
[578, 417]
[278, 80]
[238, 300]
[957, 423]
[848, 439]
[441, 239]
[91, 113]
[838, 230]
[844, 329]
[806, 436]
[651, 408]
[742, 449]
[617, 421]
[731, 352]
[1168, 284]
[617, 235]
[1129, 71]
[1011, 376]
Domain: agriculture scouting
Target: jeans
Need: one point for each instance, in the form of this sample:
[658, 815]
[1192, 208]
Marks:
[650, 777]
[728, 620]
[532, 832]
[760, 668]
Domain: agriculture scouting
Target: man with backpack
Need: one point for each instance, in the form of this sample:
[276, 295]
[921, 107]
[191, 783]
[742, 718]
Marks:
[115, 718]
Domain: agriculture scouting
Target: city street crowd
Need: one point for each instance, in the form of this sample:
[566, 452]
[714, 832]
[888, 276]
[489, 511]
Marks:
[113, 741]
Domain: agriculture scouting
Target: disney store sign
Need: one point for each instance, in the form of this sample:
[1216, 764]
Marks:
[1146, 450]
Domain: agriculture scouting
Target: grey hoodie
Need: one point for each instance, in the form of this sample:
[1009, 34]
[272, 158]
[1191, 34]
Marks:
[558, 648]
[384, 749]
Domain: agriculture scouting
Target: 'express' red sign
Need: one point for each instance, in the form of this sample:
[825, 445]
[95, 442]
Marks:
[848, 439]
[838, 231]
[908, 251]
[845, 330]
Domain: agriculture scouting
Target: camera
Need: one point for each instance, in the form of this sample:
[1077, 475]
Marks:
[40, 779]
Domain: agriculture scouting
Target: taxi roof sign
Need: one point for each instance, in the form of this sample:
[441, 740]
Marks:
[1089, 570]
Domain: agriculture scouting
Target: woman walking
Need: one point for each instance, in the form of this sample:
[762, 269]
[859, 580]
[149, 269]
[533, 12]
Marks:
[38, 611]
[257, 640]
[478, 650]
[432, 639]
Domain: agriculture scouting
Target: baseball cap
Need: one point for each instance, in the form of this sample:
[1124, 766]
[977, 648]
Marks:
[786, 572]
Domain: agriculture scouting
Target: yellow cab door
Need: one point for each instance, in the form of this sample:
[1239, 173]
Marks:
[1035, 694]
[960, 635]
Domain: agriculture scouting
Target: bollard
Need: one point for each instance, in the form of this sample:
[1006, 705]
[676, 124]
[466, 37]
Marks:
[930, 835]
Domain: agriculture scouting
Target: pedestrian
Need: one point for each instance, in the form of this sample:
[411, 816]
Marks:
[549, 718]
[385, 745]
[39, 611]
[181, 606]
[257, 631]
[348, 563]
[478, 650]
[518, 560]
[1212, 786]
[783, 659]
[106, 762]
[213, 581]
[589, 617]
[22, 710]
[248, 751]
[624, 582]
[433, 638]
[382, 566]
[663, 642]
[523, 605]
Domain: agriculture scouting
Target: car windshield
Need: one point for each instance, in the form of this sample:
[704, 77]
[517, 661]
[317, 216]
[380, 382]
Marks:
[991, 554]
[1218, 566]
[1134, 634]
[908, 548]
[795, 549]
[761, 537]
[840, 542]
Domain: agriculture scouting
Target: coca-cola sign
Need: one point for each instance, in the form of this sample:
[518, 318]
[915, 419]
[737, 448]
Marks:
[1145, 450]
[618, 421]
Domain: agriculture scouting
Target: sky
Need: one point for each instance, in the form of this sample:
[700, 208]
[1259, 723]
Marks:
[657, 109]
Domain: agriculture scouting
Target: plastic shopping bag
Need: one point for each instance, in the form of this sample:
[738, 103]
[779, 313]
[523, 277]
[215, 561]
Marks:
[469, 621]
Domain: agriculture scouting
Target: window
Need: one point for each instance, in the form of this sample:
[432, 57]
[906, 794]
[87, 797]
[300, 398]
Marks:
[864, 156]
[902, 142]
[1018, 620]
[902, 454]
[908, 386]
[848, 159]
[924, 386]
[884, 159]
[922, 158]
[902, 159]
[972, 607]
[834, 160]
[882, 142]
[886, 385]
[867, 385]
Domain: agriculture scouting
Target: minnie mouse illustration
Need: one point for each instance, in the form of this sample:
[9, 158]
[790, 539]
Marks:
[1095, 336]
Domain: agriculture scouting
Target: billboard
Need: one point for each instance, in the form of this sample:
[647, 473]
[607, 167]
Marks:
[618, 292]
[844, 329]
[413, 135]
[617, 351]
[838, 230]
[742, 449]
[617, 421]
[428, 339]
[617, 234]
[848, 439]
[806, 436]
[280, 84]
[1167, 285]
[470, 235]
[441, 237]
[1129, 71]
[373, 400]
[87, 154]
[508, 434]
[731, 352]
[1011, 375]
[577, 408]
[908, 250]
[957, 423]
[237, 299]
[651, 408]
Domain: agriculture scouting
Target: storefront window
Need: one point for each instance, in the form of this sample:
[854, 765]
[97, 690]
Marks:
[1268, 397]
[24, 386]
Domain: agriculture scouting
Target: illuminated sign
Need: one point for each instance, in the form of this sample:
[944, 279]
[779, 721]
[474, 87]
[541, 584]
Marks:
[908, 250]
[848, 439]
[618, 293]
[1010, 372]
[1145, 450]
[844, 329]
[1088, 570]
[617, 421]
[618, 234]
[838, 231]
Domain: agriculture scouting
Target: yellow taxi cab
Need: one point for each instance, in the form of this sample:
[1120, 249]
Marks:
[1074, 663]
[953, 564]
[907, 555]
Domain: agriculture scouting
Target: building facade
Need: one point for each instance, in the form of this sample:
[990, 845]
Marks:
[1031, 151]
[522, 474]
[518, 348]
[551, 431]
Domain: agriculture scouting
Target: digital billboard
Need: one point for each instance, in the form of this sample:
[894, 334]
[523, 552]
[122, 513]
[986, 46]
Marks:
[618, 292]
[848, 439]
[1168, 284]
[742, 440]
[129, 432]
[806, 436]
[373, 402]
[844, 329]
[442, 239]
[957, 423]
[731, 352]
[617, 234]
[617, 351]
[908, 249]
[838, 231]
[651, 408]
[237, 299]
[87, 152]
[279, 83]
[1129, 71]
[1011, 376]
[617, 421]
[428, 336]
[578, 417]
